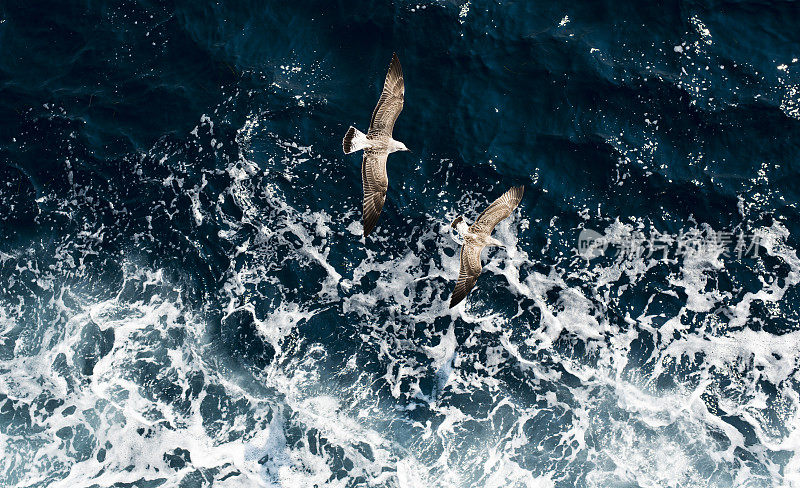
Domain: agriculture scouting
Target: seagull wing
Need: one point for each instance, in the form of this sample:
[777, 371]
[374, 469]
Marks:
[469, 272]
[375, 181]
[391, 102]
[497, 211]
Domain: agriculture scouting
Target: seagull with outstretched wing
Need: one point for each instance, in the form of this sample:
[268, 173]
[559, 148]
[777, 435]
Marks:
[377, 144]
[477, 236]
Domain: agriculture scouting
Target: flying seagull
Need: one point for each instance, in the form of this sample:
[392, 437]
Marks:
[477, 236]
[377, 144]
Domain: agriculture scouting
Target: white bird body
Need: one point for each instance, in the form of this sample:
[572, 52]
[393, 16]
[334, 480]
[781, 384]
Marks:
[476, 239]
[379, 144]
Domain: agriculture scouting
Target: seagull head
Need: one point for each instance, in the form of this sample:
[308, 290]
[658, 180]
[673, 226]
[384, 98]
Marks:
[495, 242]
[397, 146]
[460, 226]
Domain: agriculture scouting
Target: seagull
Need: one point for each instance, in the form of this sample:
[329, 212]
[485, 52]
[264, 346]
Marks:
[477, 236]
[377, 144]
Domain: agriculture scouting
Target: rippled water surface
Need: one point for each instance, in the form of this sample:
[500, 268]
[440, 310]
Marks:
[187, 300]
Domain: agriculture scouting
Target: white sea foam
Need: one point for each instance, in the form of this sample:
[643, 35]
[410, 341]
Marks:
[562, 383]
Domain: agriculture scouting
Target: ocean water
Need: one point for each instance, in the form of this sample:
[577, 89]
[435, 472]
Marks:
[187, 300]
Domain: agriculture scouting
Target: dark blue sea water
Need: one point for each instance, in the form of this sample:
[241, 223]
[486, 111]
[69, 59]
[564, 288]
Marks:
[187, 300]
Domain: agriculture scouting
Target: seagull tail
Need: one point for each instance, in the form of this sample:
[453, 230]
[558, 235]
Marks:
[354, 140]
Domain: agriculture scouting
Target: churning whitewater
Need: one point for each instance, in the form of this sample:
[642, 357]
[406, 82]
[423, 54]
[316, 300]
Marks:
[189, 301]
